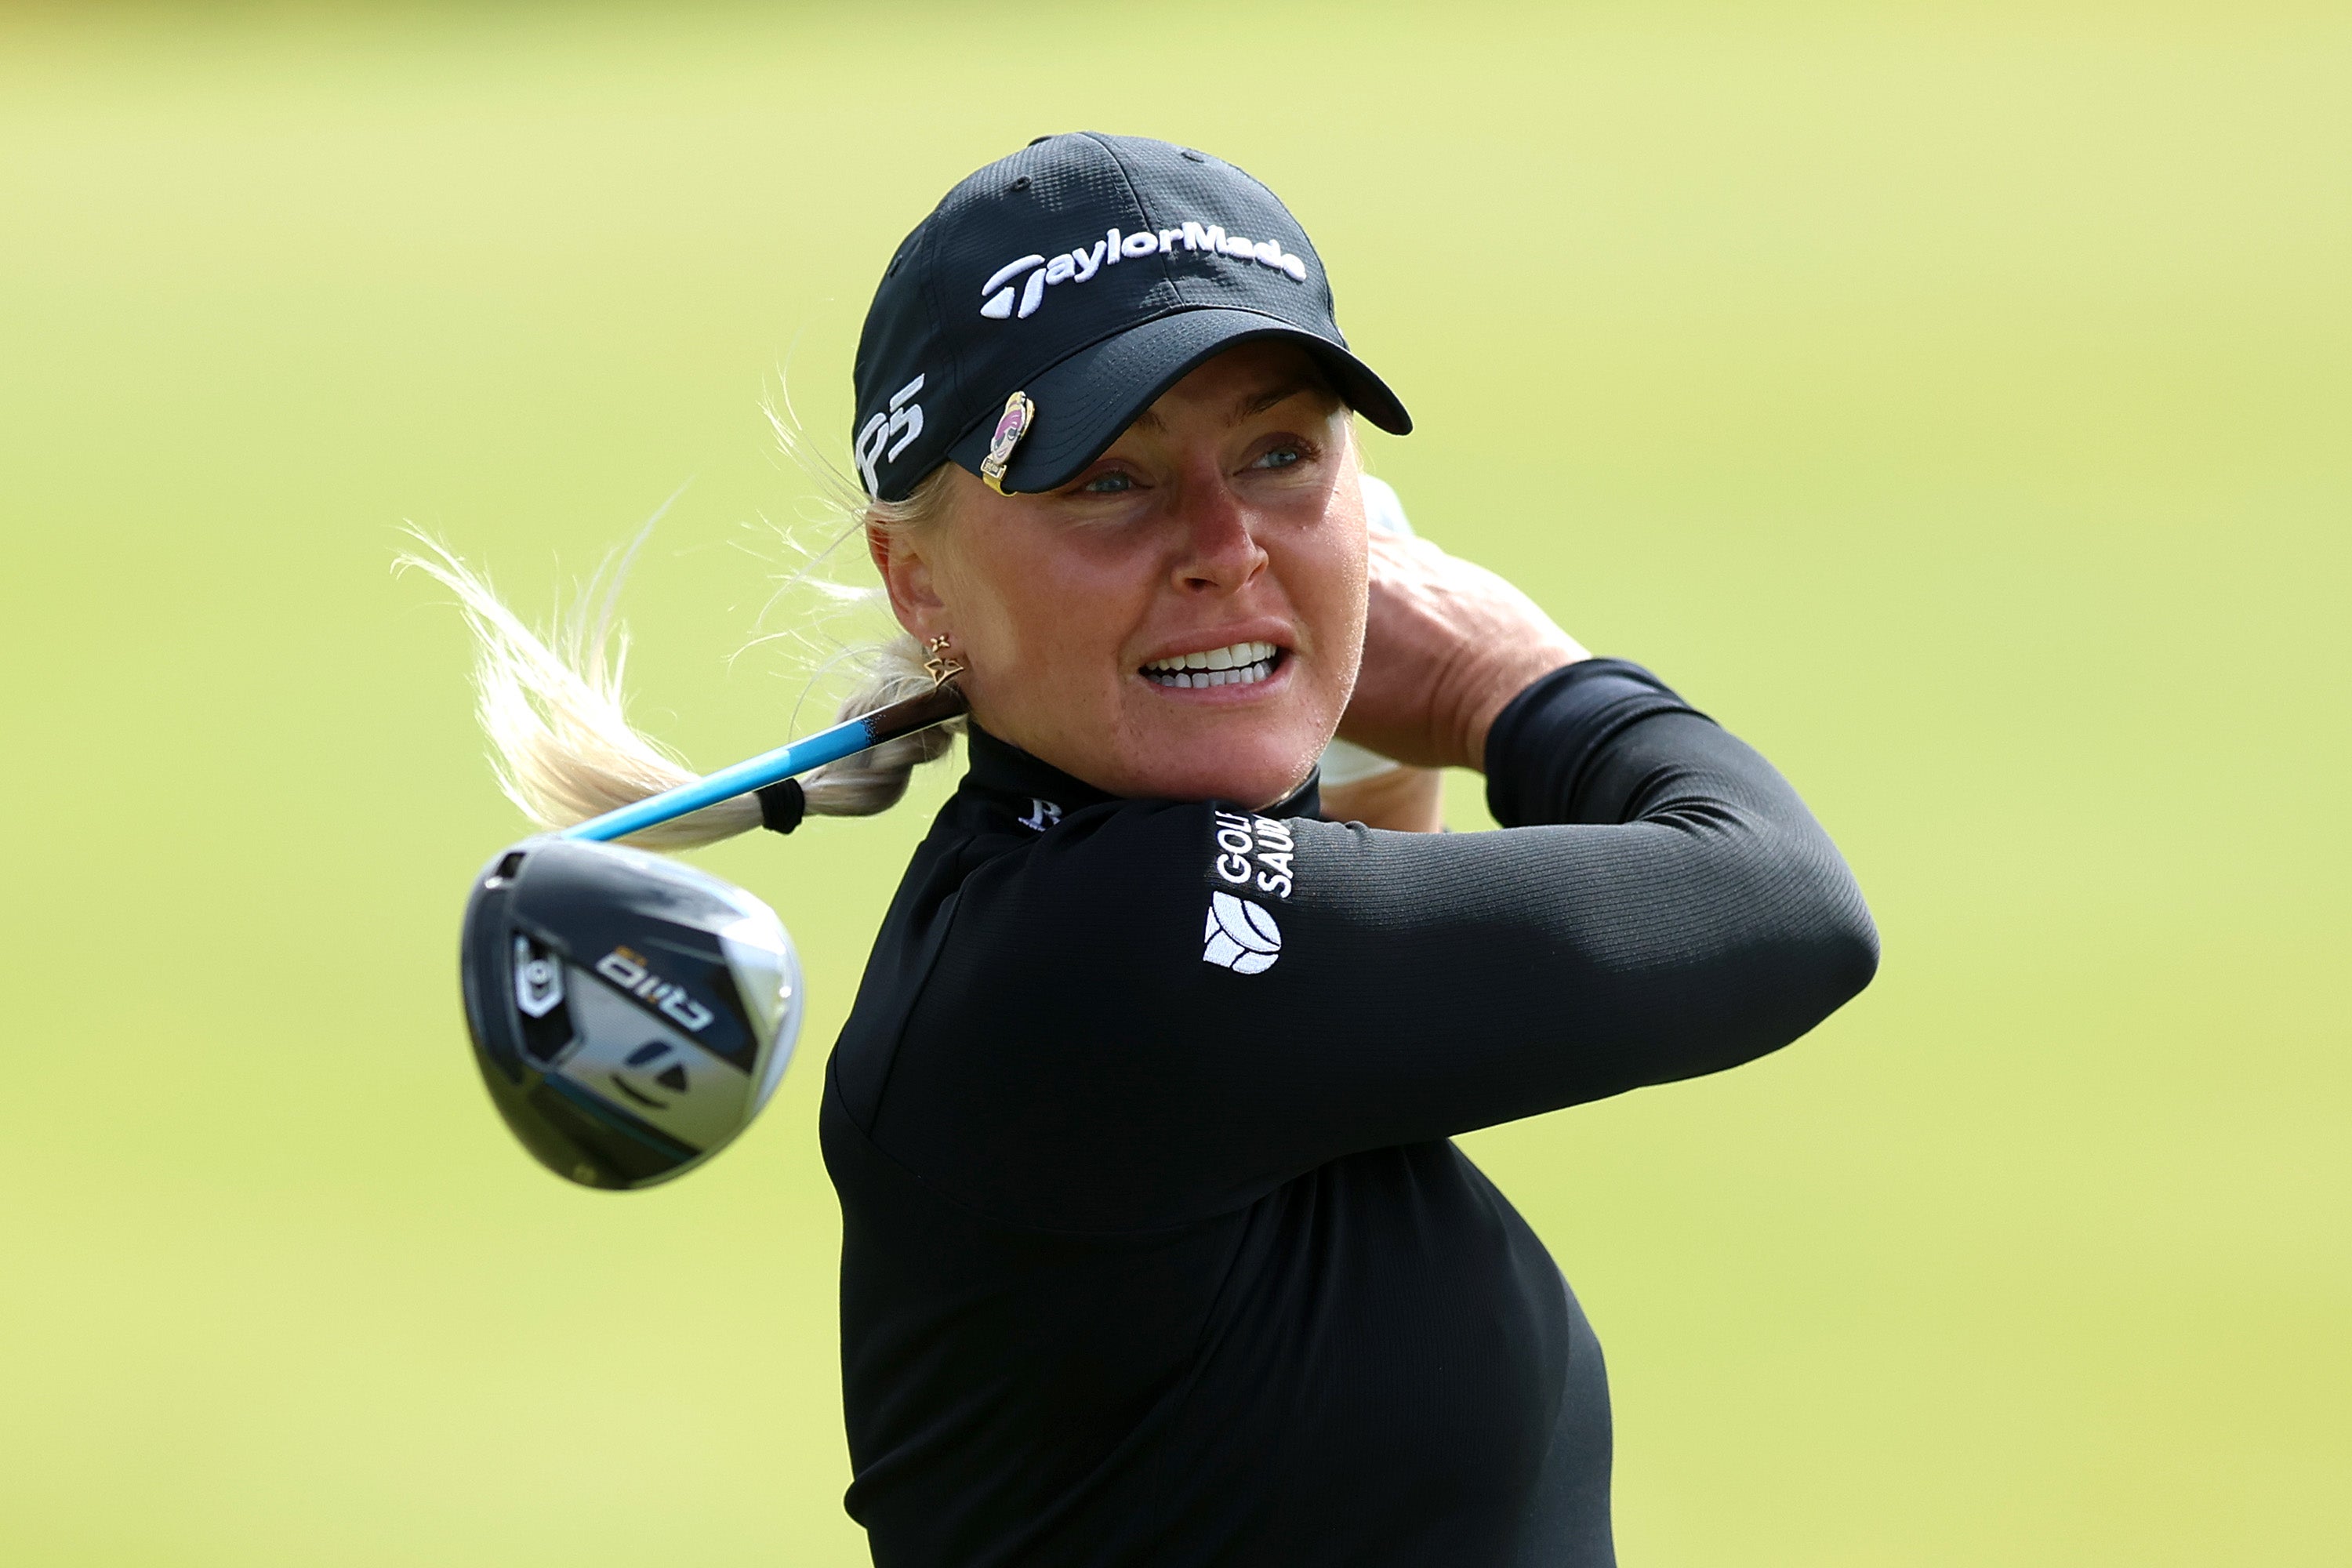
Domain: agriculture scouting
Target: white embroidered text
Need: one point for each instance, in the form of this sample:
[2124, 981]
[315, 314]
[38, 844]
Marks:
[1027, 279]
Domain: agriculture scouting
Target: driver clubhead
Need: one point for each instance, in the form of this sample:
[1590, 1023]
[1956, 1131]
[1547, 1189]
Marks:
[630, 1015]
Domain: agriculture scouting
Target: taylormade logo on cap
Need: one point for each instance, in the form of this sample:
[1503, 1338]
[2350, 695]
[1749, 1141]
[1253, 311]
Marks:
[1079, 266]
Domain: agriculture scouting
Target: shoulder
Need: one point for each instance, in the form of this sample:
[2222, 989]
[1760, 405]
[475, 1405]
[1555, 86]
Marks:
[997, 920]
[1131, 881]
[1107, 878]
[1039, 1063]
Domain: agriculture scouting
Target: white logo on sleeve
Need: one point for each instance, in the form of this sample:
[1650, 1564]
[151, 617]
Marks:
[1255, 851]
[1240, 936]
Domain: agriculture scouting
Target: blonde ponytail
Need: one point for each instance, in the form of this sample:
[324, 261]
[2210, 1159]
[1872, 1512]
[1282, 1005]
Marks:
[552, 706]
[877, 780]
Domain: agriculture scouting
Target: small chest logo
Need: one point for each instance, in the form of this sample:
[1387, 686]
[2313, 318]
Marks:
[1043, 814]
[1240, 936]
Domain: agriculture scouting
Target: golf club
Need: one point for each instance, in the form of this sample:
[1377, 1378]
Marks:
[631, 1015]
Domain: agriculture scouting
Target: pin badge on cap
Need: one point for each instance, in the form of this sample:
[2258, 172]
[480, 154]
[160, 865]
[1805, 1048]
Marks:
[1011, 425]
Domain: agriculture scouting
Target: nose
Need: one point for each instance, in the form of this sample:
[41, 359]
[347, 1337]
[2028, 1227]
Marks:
[1220, 552]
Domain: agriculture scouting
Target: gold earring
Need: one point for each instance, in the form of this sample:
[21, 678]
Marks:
[942, 667]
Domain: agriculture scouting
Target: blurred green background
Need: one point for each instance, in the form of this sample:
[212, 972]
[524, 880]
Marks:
[1952, 399]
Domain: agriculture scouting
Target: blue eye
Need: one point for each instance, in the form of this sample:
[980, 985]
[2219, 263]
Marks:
[1280, 457]
[1107, 484]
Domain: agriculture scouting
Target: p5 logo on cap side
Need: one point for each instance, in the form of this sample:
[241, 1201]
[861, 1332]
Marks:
[888, 434]
[997, 294]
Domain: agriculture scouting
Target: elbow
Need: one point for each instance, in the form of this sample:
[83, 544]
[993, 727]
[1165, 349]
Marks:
[1824, 956]
[1850, 960]
[1788, 970]
[1835, 960]
[1790, 988]
[1772, 996]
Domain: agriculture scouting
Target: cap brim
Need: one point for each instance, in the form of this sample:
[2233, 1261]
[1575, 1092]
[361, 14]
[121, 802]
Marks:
[1087, 400]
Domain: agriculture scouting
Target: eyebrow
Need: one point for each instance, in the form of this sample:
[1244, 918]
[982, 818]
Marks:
[1249, 406]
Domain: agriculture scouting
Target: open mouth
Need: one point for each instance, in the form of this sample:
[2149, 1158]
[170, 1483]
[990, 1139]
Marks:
[1239, 664]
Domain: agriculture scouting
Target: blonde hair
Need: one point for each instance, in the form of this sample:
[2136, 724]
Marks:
[552, 705]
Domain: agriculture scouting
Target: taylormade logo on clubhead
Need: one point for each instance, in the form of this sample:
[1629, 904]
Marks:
[1079, 266]
[1240, 936]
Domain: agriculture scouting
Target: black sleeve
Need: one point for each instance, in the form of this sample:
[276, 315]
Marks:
[1158, 1010]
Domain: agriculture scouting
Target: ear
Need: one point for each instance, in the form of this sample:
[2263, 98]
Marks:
[908, 578]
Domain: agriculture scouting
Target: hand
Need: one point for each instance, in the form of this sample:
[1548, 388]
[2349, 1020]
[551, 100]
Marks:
[1402, 800]
[1447, 646]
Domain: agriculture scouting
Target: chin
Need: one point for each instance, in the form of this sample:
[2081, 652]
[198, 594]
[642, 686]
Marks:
[1139, 746]
[1252, 743]
[1255, 770]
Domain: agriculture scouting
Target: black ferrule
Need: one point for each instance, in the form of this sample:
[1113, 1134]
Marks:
[782, 806]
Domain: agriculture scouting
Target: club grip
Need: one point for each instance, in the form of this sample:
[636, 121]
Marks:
[936, 706]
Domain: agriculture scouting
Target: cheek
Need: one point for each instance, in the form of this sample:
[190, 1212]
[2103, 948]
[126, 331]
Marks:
[1332, 599]
[1036, 615]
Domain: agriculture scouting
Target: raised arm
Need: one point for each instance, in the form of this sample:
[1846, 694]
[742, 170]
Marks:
[1160, 1010]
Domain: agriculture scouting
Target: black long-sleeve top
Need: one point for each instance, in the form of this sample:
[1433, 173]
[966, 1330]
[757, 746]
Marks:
[1156, 1249]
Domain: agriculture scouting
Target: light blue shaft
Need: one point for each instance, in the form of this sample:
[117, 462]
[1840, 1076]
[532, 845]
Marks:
[757, 773]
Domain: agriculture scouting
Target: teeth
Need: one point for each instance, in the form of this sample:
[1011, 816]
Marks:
[1240, 664]
[1236, 656]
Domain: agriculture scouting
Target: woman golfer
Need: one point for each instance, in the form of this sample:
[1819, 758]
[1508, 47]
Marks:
[1156, 1249]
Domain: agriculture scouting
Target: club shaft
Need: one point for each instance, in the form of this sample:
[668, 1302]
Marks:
[866, 730]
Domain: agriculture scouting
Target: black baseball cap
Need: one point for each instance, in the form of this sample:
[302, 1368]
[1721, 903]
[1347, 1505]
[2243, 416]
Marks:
[1052, 297]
